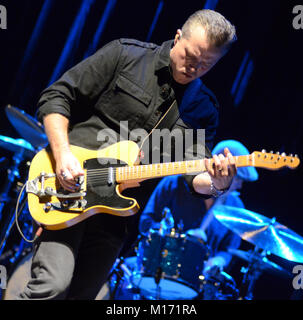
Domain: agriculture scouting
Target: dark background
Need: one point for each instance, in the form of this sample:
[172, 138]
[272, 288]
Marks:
[267, 117]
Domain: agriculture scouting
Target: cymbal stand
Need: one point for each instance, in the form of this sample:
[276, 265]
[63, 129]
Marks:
[119, 275]
[251, 274]
[13, 173]
[157, 278]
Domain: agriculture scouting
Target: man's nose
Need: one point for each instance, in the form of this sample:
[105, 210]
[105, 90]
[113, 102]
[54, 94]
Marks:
[192, 69]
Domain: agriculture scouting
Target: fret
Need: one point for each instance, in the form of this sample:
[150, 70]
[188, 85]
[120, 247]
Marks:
[172, 168]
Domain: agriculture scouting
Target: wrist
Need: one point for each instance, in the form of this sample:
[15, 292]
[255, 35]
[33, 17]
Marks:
[215, 192]
[60, 151]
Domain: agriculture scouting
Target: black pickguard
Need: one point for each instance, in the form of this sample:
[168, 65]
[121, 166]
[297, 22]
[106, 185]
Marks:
[99, 191]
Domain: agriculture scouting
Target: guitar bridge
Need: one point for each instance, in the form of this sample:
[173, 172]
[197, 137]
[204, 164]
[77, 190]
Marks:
[32, 186]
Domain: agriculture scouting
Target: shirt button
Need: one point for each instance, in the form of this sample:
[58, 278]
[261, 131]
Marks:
[164, 92]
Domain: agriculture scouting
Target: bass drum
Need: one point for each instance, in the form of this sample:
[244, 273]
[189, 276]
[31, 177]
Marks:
[170, 266]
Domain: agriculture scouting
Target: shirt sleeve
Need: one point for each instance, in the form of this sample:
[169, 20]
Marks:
[82, 84]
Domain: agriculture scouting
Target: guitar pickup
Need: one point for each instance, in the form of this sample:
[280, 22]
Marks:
[50, 192]
[65, 205]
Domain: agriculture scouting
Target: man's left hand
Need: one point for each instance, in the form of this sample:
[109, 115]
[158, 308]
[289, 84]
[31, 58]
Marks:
[222, 170]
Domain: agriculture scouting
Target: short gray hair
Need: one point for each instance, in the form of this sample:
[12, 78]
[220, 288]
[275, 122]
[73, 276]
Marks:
[219, 31]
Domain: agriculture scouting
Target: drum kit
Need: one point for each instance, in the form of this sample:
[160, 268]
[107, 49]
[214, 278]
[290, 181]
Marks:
[166, 265]
[23, 150]
[170, 266]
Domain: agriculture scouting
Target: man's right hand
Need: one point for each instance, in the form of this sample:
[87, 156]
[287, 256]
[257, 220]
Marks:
[68, 169]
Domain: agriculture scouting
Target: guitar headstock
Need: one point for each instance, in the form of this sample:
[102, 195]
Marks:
[275, 161]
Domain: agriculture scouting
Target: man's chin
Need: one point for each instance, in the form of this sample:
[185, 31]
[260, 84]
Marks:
[183, 80]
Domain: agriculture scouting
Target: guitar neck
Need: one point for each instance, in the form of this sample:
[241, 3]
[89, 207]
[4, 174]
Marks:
[143, 172]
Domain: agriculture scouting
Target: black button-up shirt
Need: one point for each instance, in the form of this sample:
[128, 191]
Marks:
[127, 80]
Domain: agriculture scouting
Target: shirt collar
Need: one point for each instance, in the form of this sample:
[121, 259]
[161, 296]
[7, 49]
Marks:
[164, 55]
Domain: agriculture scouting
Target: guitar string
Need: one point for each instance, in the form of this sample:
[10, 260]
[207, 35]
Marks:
[97, 177]
[167, 164]
[103, 172]
[170, 167]
[98, 173]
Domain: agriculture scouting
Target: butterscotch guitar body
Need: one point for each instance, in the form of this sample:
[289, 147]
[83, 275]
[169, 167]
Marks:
[108, 172]
[53, 208]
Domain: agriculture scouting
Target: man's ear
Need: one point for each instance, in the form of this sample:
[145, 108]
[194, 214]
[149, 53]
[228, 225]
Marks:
[178, 36]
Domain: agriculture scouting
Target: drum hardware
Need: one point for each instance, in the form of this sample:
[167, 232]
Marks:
[24, 246]
[180, 227]
[6, 256]
[167, 223]
[119, 282]
[13, 173]
[257, 264]
[10, 222]
[260, 260]
[251, 274]
[118, 272]
[217, 285]
[12, 258]
[158, 277]
[35, 137]
[164, 253]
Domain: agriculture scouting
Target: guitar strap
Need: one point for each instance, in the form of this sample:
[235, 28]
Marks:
[166, 121]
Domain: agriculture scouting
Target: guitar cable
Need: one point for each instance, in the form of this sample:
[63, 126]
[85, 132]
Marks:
[18, 212]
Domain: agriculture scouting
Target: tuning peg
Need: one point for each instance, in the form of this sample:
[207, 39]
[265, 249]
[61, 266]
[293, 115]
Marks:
[296, 156]
[283, 154]
[263, 151]
[277, 152]
[271, 151]
[291, 155]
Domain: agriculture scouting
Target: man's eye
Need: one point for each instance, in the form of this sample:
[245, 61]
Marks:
[192, 58]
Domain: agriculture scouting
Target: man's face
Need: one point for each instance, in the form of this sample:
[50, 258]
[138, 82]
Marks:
[192, 58]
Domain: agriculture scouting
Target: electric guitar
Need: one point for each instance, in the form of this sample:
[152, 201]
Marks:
[107, 172]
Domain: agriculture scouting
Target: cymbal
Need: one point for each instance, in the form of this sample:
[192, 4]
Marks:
[29, 128]
[261, 231]
[17, 146]
[259, 262]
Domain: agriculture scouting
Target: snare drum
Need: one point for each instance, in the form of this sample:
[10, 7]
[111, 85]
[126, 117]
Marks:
[170, 266]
